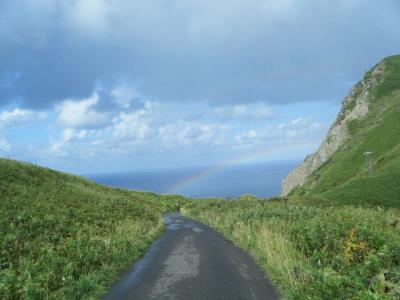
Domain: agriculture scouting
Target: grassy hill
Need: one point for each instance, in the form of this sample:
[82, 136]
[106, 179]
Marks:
[343, 177]
[64, 237]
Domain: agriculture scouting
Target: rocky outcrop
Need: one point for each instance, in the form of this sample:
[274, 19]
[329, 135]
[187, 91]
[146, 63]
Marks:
[354, 106]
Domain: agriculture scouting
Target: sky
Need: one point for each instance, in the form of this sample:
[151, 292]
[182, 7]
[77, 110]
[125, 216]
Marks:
[94, 86]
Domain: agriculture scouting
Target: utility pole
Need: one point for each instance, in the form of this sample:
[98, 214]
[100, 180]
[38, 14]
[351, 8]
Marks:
[285, 199]
[368, 162]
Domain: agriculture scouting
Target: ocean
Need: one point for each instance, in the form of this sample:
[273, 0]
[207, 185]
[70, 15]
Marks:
[261, 179]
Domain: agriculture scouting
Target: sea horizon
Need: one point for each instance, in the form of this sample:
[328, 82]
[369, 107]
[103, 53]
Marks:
[258, 179]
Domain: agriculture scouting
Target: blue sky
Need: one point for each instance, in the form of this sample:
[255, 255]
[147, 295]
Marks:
[99, 85]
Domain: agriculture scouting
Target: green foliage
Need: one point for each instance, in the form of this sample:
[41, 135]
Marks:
[382, 189]
[314, 252]
[64, 237]
[391, 78]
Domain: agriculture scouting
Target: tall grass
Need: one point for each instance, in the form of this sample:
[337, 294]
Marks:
[314, 252]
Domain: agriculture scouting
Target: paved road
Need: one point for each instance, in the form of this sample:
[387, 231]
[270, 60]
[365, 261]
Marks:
[191, 261]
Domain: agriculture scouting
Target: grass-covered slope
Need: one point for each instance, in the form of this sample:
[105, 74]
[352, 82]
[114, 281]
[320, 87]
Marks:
[314, 252]
[343, 178]
[64, 237]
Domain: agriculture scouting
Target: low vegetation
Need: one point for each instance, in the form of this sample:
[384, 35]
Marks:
[64, 237]
[314, 252]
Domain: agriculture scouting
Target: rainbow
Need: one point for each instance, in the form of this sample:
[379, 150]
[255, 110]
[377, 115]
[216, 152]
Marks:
[259, 155]
[188, 181]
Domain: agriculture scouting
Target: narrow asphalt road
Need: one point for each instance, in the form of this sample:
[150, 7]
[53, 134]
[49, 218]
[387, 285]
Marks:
[191, 261]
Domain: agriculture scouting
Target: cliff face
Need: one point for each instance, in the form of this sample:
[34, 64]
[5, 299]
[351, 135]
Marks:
[354, 106]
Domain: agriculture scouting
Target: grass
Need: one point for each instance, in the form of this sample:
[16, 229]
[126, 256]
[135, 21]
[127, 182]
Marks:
[382, 189]
[64, 237]
[314, 252]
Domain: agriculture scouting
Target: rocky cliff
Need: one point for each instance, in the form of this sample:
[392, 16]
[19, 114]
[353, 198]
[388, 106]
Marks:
[354, 106]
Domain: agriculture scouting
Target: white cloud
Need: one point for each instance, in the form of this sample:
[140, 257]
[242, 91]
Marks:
[248, 135]
[300, 128]
[242, 111]
[55, 149]
[160, 129]
[136, 124]
[184, 133]
[71, 143]
[287, 132]
[296, 128]
[126, 131]
[81, 113]
[124, 94]
[131, 125]
[69, 134]
[18, 117]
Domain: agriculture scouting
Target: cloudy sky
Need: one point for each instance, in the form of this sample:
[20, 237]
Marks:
[109, 85]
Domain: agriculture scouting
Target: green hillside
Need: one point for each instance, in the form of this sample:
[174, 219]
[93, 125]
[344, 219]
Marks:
[343, 178]
[64, 237]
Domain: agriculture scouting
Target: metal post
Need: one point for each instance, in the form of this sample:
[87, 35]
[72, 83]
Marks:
[285, 200]
[368, 162]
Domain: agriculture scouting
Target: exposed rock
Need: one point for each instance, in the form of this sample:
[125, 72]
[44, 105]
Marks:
[354, 106]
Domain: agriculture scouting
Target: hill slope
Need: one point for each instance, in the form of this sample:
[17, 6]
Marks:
[369, 121]
[64, 237]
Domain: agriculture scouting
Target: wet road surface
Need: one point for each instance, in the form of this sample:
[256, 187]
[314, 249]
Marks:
[192, 261]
